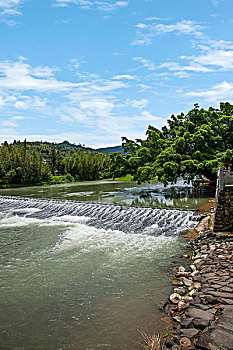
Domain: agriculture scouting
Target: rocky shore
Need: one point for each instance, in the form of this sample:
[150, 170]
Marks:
[201, 305]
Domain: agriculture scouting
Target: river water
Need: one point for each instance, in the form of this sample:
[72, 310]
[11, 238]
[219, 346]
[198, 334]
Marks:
[87, 282]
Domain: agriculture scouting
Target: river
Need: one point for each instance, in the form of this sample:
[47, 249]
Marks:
[87, 282]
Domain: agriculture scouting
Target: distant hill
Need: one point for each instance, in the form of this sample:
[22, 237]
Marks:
[110, 149]
[102, 150]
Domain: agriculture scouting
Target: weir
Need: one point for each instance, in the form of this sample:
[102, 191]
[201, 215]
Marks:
[108, 216]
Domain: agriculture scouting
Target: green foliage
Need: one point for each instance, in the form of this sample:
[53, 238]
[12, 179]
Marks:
[23, 163]
[189, 145]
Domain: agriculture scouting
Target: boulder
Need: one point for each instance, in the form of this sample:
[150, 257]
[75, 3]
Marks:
[186, 322]
[201, 324]
[187, 282]
[185, 341]
[175, 298]
[201, 314]
[188, 332]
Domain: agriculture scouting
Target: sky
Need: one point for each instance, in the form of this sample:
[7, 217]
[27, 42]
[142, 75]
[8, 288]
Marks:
[92, 71]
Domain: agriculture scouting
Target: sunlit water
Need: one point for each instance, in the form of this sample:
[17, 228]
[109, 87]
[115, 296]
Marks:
[66, 284]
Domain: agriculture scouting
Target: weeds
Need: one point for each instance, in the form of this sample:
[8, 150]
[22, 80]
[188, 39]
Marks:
[152, 342]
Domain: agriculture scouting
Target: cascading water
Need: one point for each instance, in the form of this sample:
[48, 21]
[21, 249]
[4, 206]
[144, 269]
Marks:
[115, 217]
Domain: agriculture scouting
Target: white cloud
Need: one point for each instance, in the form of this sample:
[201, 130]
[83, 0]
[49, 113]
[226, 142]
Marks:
[217, 58]
[101, 108]
[146, 32]
[26, 102]
[104, 5]
[219, 92]
[138, 103]
[124, 76]
[10, 7]
[145, 62]
[20, 75]
[147, 116]
[12, 122]
[214, 57]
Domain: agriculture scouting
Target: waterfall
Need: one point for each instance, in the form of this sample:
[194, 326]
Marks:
[108, 216]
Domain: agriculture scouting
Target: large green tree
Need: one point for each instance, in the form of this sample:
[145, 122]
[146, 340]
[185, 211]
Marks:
[189, 145]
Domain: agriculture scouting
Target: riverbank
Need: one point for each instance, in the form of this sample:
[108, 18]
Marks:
[201, 305]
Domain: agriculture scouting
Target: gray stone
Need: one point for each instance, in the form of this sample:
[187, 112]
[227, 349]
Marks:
[169, 342]
[180, 290]
[221, 294]
[187, 282]
[226, 289]
[189, 332]
[227, 301]
[211, 299]
[177, 319]
[174, 347]
[201, 324]
[197, 313]
[215, 339]
[176, 339]
[186, 322]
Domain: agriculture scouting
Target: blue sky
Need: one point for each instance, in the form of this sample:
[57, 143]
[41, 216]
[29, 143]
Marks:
[91, 71]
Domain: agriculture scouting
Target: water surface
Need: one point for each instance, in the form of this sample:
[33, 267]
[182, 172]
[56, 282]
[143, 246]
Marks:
[66, 284]
[154, 194]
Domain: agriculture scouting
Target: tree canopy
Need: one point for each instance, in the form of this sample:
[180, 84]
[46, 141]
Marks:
[190, 145]
[27, 163]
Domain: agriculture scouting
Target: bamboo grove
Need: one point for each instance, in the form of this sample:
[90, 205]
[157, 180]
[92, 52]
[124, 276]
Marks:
[23, 163]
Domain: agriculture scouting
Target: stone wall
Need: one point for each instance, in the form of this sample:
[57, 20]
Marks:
[224, 210]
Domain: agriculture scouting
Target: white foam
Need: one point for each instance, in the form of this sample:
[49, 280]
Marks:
[115, 244]
[15, 220]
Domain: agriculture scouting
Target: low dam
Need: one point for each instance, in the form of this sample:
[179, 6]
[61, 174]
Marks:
[115, 217]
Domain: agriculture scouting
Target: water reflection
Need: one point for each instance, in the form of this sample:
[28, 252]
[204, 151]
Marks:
[154, 194]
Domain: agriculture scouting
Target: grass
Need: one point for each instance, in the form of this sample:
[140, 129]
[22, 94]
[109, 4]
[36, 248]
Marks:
[127, 177]
[152, 342]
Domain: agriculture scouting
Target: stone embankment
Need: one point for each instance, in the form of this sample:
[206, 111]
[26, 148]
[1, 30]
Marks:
[201, 305]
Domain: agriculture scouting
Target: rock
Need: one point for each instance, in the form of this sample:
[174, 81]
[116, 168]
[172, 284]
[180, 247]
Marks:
[178, 330]
[201, 324]
[197, 261]
[186, 322]
[181, 269]
[221, 294]
[176, 339]
[213, 310]
[175, 298]
[226, 289]
[193, 267]
[169, 343]
[174, 347]
[185, 342]
[227, 301]
[177, 282]
[182, 305]
[215, 339]
[201, 314]
[189, 332]
[177, 319]
[196, 285]
[210, 299]
[187, 282]
[180, 290]
[193, 293]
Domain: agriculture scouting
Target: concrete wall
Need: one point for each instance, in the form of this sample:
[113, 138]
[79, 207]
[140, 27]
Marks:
[224, 209]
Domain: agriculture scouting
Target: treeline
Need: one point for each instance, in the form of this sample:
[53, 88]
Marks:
[190, 145]
[23, 163]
